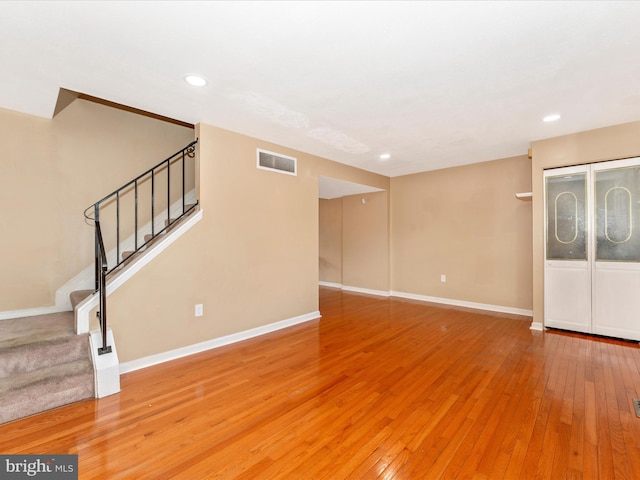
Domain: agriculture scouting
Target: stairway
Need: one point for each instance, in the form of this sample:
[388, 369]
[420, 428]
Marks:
[43, 362]
[43, 365]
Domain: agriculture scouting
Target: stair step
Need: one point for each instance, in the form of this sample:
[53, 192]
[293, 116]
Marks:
[37, 355]
[41, 341]
[171, 221]
[43, 365]
[52, 372]
[20, 331]
[78, 296]
[33, 392]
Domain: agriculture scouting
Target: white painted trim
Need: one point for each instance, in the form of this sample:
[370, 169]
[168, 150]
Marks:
[462, 303]
[82, 281]
[106, 367]
[84, 308]
[151, 360]
[30, 312]
[379, 293]
[536, 326]
[425, 298]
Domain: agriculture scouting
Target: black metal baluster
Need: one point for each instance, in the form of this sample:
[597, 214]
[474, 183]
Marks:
[183, 181]
[102, 313]
[168, 192]
[118, 227]
[153, 216]
[135, 220]
[96, 218]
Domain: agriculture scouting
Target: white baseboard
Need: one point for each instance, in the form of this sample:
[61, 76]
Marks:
[347, 288]
[368, 291]
[151, 360]
[536, 326]
[444, 301]
[83, 281]
[462, 303]
[32, 312]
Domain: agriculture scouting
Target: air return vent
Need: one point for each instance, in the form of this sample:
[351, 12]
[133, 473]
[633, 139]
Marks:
[276, 162]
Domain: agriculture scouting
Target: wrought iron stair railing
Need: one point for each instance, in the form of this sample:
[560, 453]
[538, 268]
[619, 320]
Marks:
[120, 214]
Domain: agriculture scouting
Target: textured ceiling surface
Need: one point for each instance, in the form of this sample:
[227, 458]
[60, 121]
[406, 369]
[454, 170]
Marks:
[435, 84]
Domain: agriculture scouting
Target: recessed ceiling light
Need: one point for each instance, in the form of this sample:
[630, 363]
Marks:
[195, 80]
[385, 156]
[551, 118]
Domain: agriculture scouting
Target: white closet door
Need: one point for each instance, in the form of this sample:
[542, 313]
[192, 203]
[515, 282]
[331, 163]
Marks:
[567, 280]
[616, 276]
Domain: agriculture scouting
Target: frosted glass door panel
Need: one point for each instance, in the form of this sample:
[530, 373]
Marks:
[566, 217]
[617, 214]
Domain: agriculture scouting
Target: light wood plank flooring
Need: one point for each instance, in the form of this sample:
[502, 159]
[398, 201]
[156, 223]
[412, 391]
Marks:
[377, 388]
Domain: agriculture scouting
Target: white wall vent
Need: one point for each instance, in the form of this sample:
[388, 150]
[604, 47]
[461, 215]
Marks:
[277, 162]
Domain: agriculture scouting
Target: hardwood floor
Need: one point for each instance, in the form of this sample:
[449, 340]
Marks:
[377, 388]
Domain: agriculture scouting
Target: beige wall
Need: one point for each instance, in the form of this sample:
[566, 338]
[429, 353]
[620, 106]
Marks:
[330, 245]
[466, 223]
[365, 242]
[50, 172]
[354, 241]
[610, 143]
[251, 261]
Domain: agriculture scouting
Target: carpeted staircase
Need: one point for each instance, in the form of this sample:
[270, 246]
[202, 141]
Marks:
[43, 365]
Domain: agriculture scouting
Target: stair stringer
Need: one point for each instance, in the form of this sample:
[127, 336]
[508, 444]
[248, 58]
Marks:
[85, 280]
[106, 366]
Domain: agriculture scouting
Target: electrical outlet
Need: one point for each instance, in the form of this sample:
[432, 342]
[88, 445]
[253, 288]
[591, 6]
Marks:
[199, 310]
[443, 278]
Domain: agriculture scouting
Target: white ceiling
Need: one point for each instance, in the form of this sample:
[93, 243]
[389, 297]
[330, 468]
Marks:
[329, 188]
[435, 84]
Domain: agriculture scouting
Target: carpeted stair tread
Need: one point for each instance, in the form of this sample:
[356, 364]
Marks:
[78, 296]
[20, 331]
[34, 392]
[127, 254]
[43, 354]
[170, 222]
[52, 374]
[43, 365]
